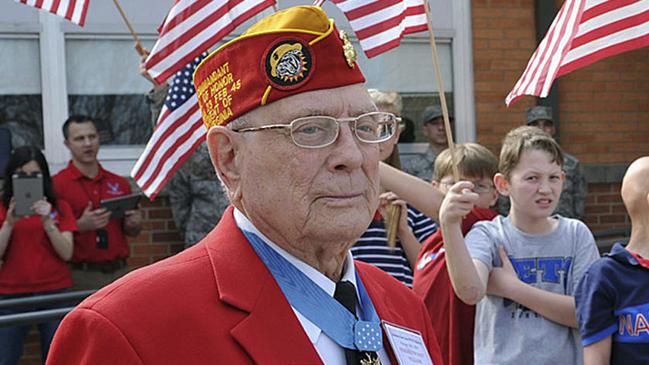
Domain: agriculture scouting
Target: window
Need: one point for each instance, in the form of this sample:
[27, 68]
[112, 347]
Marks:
[103, 81]
[21, 108]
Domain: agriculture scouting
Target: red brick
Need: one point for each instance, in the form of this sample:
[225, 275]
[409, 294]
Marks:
[165, 237]
[159, 213]
[150, 249]
[612, 198]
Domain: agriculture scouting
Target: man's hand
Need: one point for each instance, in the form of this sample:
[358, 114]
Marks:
[143, 71]
[132, 222]
[503, 280]
[93, 219]
[457, 203]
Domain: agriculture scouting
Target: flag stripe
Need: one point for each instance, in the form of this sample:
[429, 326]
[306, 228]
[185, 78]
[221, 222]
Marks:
[170, 123]
[153, 190]
[606, 25]
[606, 46]
[596, 29]
[380, 24]
[72, 10]
[170, 154]
[561, 31]
[594, 9]
[191, 27]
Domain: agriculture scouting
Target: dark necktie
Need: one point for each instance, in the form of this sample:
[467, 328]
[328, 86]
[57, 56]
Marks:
[346, 294]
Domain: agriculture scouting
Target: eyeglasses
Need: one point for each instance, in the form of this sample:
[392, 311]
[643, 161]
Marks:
[478, 187]
[321, 131]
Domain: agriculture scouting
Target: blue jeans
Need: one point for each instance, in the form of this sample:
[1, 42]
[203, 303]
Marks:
[13, 338]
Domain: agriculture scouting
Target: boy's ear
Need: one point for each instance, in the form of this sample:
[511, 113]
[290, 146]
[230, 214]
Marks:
[501, 184]
[494, 198]
[435, 184]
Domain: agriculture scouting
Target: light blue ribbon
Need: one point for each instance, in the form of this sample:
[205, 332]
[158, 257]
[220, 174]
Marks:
[319, 307]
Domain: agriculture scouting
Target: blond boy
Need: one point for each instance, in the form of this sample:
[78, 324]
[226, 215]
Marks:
[453, 321]
[525, 304]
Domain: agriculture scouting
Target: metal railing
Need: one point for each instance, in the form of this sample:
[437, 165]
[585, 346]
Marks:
[43, 315]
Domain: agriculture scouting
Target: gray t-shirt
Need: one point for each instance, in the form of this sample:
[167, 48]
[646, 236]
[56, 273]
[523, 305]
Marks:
[509, 333]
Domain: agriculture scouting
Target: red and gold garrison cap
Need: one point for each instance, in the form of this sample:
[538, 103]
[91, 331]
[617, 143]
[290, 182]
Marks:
[289, 52]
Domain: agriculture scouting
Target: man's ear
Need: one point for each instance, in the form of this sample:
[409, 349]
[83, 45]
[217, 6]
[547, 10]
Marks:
[225, 149]
[501, 184]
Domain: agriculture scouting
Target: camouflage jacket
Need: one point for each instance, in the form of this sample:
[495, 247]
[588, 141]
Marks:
[195, 193]
[420, 165]
[573, 196]
[196, 196]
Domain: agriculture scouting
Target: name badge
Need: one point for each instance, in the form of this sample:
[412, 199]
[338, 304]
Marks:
[408, 345]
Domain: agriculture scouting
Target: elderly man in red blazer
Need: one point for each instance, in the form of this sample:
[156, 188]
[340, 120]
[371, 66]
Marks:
[294, 138]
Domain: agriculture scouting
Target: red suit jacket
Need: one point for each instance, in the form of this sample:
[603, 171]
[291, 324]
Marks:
[215, 303]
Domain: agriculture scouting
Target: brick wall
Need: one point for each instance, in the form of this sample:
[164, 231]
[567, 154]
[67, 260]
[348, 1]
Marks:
[604, 108]
[503, 40]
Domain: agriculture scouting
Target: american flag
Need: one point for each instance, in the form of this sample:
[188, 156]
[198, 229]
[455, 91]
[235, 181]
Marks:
[380, 24]
[192, 26]
[72, 10]
[178, 132]
[583, 32]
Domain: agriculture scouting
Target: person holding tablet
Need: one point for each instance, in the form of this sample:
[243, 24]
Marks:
[100, 246]
[33, 250]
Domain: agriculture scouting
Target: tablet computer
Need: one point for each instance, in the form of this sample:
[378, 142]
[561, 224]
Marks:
[28, 189]
[118, 206]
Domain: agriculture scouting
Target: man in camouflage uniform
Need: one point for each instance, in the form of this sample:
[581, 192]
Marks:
[421, 165]
[196, 197]
[573, 195]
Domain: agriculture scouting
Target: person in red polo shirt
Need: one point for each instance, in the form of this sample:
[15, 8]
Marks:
[100, 245]
[33, 251]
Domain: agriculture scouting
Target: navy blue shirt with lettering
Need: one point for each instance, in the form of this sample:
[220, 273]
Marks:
[613, 300]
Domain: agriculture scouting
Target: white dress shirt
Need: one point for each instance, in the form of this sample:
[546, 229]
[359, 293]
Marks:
[330, 352]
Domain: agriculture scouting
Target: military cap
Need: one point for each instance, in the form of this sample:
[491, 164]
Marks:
[539, 113]
[289, 52]
[432, 112]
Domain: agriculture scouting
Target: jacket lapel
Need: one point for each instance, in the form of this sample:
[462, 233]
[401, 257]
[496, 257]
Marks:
[382, 304]
[270, 333]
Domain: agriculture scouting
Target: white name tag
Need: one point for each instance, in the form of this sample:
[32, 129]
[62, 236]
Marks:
[408, 345]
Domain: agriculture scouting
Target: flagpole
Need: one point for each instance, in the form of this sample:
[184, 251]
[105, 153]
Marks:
[138, 45]
[442, 96]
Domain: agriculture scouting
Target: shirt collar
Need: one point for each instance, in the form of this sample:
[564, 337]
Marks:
[621, 254]
[76, 174]
[329, 286]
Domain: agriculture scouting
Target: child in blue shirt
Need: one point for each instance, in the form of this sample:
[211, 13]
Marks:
[613, 296]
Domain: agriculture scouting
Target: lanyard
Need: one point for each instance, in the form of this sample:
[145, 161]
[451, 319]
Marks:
[317, 306]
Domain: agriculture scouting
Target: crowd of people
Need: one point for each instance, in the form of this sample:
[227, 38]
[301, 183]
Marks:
[325, 250]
